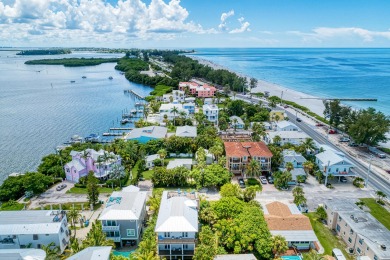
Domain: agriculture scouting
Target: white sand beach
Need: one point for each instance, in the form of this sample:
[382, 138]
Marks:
[315, 105]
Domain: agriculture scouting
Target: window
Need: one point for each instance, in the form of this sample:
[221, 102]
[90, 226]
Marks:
[326, 207]
[167, 246]
[185, 234]
[167, 234]
[350, 240]
[130, 232]
[35, 237]
[39, 245]
[375, 257]
[351, 232]
[368, 249]
[358, 250]
[361, 241]
[340, 219]
[337, 169]
[185, 246]
[338, 228]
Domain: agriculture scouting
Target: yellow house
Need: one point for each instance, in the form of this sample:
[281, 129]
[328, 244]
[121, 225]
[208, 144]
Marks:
[276, 115]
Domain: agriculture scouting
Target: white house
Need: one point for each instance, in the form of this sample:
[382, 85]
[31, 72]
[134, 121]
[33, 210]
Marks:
[149, 160]
[286, 126]
[211, 113]
[22, 254]
[93, 253]
[236, 122]
[180, 162]
[186, 131]
[34, 228]
[177, 225]
[331, 163]
[266, 125]
[145, 134]
[287, 137]
[166, 109]
[122, 219]
[177, 95]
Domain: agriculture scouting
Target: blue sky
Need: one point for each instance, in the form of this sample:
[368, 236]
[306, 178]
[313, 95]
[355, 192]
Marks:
[195, 23]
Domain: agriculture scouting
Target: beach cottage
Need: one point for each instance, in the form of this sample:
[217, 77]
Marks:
[145, 134]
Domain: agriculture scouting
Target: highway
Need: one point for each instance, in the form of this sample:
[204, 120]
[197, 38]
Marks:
[376, 181]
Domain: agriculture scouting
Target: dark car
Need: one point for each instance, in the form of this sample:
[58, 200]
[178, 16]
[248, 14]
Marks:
[353, 144]
[299, 120]
[61, 187]
[263, 180]
[332, 131]
[319, 124]
[270, 180]
[241, 182]
[343, 179]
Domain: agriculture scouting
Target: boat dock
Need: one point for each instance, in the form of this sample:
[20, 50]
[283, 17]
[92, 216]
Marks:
[112, 134]
[133, 93]
[120, 129]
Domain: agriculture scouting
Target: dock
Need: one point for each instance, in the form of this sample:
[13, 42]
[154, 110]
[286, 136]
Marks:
[112, 134]
[120, 129]
[133, 93]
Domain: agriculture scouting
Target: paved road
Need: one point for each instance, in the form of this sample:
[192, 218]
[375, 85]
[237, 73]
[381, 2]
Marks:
[376, 181]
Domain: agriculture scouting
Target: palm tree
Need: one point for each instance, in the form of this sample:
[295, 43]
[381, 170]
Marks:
[253, 168]
[308, 166]
[162, 153]
[277, 140]
[279, 245]
[308, 145]
[201, 158]
[289, 166]
[74, 248]
[216, 150]
[183, 115]
[235, 124]
[313, 255]
[381, 195]
[250, 192]
[96, 237]
[299, 196]
[258, 131]
[301, 179]
[73, 215]
[174, 110]
[117, 172]
[52, 251]
[146, 112]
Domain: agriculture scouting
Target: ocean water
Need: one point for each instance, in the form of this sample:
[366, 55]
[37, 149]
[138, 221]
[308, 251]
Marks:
[327, 73]
[41, 110]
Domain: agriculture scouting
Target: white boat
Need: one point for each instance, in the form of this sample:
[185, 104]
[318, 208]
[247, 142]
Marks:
[76, 139]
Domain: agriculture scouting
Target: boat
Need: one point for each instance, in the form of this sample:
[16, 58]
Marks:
[76, 139]
[133, 111]
[84, 77]
[110, 77]
[125, 121]
[72, 81]
[93, 138]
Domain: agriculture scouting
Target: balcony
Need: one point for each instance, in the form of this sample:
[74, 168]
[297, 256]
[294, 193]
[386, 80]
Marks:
[115, 239]
[170, 240]
[111, 228]
[175, 252]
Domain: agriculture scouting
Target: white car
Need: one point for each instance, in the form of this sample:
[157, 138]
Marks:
[263, 180]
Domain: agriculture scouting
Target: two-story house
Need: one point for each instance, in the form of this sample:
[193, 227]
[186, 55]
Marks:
[363, 234]
[236, 122]
[211, 113]
[171, 111]
[33, 228]
[297, 160]
[286, 126]
[239, 154]
[176, 95]
[177, 225]
[333, 163]
[190, 106]
[122, 219]
[286, 137]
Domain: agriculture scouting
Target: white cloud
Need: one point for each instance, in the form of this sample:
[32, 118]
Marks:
[323, 33]
[224, 17]
[93, 21]
[244, 26]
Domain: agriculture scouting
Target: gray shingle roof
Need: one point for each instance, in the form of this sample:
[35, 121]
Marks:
[93, 253]
[186, 131]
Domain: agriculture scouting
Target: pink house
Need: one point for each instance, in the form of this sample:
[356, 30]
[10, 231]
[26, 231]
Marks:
[100, 162]
[198, 90]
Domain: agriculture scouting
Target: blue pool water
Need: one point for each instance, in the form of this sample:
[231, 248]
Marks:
[292, 257]
[126, 254]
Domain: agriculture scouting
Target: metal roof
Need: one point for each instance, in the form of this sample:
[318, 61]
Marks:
[22, 254]
[179, 162]
[296, 235]
[332, 158]
[186, 131]
[29, 222]
[288, 134]
[93, 253]
[152, 157]
[127, 204]
[177, 214]
[149, 131]
[291, 156]
[285, 123]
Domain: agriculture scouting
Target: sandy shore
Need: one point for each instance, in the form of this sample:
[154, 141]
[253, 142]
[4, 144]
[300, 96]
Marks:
[315, 105]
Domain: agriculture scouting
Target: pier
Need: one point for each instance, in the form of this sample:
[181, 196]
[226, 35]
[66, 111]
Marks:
[120, 129]
[133, 93]
[112, 134]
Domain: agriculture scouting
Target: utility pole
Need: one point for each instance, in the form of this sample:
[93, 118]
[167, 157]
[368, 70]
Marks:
[368, 172]
[281, 98]
[326, 174]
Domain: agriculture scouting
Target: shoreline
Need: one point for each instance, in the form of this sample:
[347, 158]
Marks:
[314, 105]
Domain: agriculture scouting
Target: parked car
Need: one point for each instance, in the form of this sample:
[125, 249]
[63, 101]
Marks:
[286, 106]
[377, 152]
[319, 124]
[61, 187]
[332, 131]
[343, 179]
[352, 144]
[263, 180]
[344, 139]
[299, 120]
[270, 180]
[241, 183]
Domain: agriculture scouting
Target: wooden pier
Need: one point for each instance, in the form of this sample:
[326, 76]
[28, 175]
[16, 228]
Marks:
[112, 134]
[133, 93]
[120, 129]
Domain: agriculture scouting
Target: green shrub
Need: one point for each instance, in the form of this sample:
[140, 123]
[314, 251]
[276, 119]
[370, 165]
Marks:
[252, 182]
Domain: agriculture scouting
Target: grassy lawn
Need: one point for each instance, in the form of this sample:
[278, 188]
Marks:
[77, 190]
[147, 174]
[379, 212]
[12, 206]
[325, 236]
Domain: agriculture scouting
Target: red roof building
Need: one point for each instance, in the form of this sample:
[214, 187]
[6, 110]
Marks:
[239, 154]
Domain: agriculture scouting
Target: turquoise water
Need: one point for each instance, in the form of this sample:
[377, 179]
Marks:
[337, 73]
[126, 254]
[291, 257]
[41, 110]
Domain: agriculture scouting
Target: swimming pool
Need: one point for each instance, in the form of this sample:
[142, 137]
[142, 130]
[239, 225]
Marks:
[291, 257]
[123, 253]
